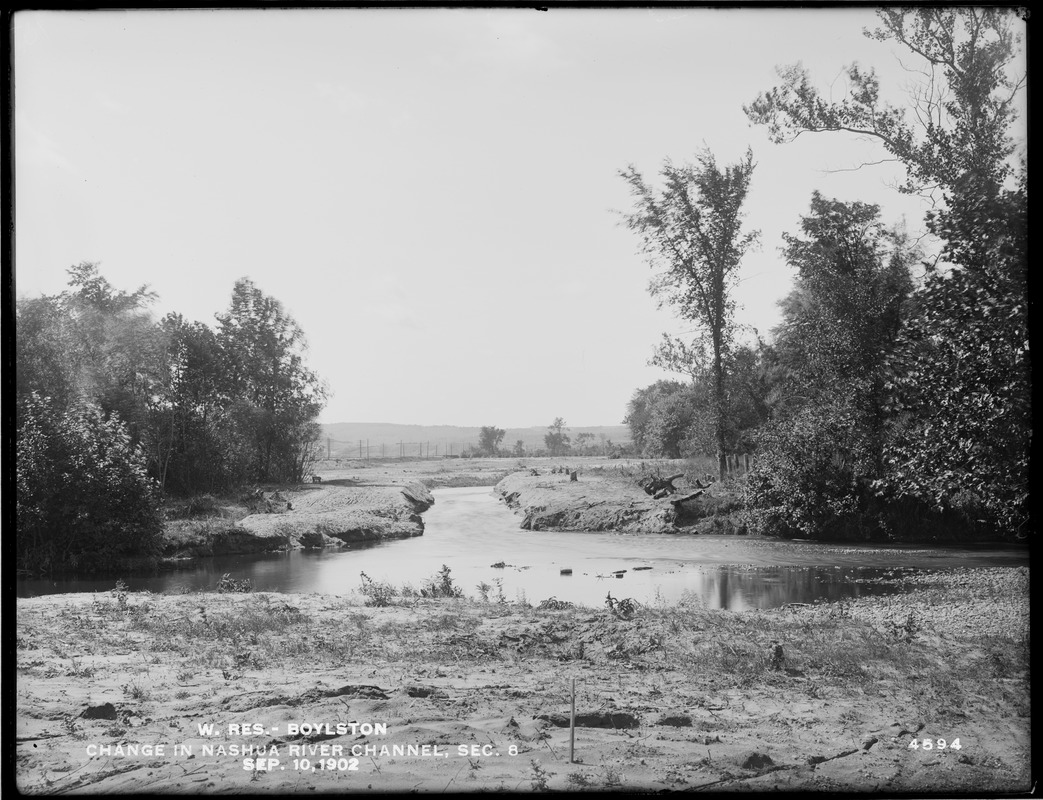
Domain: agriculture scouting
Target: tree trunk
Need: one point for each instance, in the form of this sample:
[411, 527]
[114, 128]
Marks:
[718, 403]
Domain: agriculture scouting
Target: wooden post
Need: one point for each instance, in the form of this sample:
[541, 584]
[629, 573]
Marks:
[572, 726]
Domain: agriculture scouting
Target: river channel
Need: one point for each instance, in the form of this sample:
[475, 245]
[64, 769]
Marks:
[470, 531]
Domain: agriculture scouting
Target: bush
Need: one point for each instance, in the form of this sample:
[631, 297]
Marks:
[441, 585]
[84, 496]
[807, 479]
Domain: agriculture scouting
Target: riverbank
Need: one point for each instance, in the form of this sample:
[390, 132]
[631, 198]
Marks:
[608, 498]
[822, 698]
[307, 516]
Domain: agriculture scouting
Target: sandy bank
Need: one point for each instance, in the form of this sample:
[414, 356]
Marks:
[819, 698]
[306, 516]
[602, 499]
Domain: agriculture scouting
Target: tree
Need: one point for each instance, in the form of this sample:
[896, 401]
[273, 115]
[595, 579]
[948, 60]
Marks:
[92, 343]
[584, 441]
[824, 447]
[841, 320]
[960, 387]
[519, 448]
[83, 492]
[489, 439]
[557, 439]
[963, 108]
[691, 233]
[272, 396]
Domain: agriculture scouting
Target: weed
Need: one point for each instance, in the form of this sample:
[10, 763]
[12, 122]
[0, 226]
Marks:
[378, 594]
[539, 777]
[181, 694]
[441, 585]
[483, 591]
[621, 609]
[500, 597]
[554, 604]
[119, 594]
[136, 691]
[613, 775]
[905, 630]
[228, 584]
[578, 780]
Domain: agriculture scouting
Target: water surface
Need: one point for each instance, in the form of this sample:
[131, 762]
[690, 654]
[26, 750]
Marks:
[469, 530]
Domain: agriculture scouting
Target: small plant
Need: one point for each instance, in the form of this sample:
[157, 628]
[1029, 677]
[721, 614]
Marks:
[577, 780]
[554, 604]
[539, 777]
[905, 630]
[136, 691]
[483, 591]
[621, 609]
[613, 775]
[378, 594]
[228, 585]
[119, 593]
[441, 585]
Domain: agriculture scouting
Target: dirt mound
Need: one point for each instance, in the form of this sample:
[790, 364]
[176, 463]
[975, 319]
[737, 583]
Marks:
[329, 515]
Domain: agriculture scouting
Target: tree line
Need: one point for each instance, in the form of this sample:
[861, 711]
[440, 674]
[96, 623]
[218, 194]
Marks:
[893, 399]
[116, 410]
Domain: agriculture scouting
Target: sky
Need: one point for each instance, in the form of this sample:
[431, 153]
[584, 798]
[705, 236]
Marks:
[433, 194]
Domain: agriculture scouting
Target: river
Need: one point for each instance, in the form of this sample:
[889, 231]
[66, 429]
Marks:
[469, 531]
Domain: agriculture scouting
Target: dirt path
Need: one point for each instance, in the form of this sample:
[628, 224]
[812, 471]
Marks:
[475, 696]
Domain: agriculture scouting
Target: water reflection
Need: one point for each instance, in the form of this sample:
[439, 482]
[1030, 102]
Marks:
[469, 531]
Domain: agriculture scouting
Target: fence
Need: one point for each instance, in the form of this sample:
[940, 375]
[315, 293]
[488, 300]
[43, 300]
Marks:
[364, 450]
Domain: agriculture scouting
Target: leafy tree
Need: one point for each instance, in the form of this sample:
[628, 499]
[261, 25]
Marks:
[961, 382]
[557, 439]
[92, 343]
[584, 441]
[190, 422]
[519, 448]
[83, 493]
[842, 318]
[691, 233]
[272, 396]
[489, 439]
[639, 410]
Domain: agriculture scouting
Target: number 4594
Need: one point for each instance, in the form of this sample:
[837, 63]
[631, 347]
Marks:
[934, 744]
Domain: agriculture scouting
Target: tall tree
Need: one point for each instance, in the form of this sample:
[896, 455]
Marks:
[961, 369]
[557, 439]
[275, 397]
[489, 439]
[691, 232]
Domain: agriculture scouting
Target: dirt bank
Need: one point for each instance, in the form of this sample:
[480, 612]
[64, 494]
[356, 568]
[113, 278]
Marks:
[475, 696]
[605, 498]
[305, 516]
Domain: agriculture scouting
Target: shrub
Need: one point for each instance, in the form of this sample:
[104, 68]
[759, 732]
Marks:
[83, 493]
[229, 585]
[377, 593]
[441, 585]
[807, 478]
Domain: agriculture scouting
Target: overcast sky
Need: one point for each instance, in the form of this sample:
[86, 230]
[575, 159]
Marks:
[432, 194]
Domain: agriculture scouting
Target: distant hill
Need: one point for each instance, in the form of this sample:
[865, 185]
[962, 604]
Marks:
[388, 439]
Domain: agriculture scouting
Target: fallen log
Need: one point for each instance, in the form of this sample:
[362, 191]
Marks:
[653, 485]
[677, 501]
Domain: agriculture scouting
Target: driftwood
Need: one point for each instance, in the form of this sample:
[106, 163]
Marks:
[677, 502]
[660, 487]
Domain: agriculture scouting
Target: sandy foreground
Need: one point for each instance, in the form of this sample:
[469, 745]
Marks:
[199, 693]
